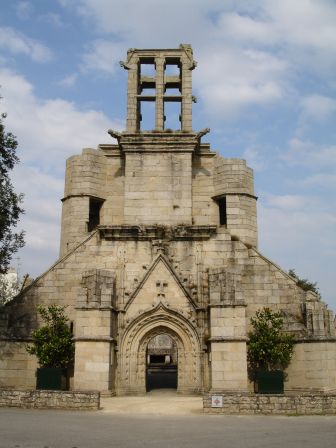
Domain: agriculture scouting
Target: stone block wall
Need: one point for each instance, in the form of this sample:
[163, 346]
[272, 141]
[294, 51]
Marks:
[86, 174]
[93, 365]
[228, 365]
[75, 218]
[227, 322]
[313, 366]
[241, 213]
[17, 367]
[232, 176]
[205, 209]
[112, 211]
[50, 399]
[157, 189]
[301, 404]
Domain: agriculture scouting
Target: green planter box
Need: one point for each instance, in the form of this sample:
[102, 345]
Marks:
[269, 382]
[51, 378]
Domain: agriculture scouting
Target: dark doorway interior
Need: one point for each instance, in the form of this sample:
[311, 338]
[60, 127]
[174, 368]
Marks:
[161, 363]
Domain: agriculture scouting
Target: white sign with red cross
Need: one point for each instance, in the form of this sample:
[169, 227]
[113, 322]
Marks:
[216, 401]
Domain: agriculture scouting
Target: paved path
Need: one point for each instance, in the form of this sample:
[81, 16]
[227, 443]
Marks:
[156, 402]
[29, 428]
[161, 419]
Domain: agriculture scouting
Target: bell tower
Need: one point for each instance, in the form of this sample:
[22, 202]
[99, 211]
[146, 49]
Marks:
[159, 87]
[158, 159]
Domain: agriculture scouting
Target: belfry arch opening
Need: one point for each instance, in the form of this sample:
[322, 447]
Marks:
[161, 363]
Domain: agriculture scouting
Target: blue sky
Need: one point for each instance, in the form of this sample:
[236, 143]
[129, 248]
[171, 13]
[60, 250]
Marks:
[265, 84]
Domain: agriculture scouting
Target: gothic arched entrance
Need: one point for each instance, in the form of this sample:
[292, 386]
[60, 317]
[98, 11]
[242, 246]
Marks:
[140, 336]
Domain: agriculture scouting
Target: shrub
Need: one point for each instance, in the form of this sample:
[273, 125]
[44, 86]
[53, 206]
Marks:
[268, 347]
[52, 343]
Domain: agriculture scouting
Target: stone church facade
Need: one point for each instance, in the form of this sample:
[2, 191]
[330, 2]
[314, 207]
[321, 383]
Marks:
[159, 260]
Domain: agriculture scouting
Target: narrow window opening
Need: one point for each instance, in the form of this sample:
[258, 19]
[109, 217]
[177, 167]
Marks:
[172, 111]
[94, 213]
[222, 211]
[147, 115]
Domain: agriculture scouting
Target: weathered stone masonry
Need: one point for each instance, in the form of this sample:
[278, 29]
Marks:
[159, 236]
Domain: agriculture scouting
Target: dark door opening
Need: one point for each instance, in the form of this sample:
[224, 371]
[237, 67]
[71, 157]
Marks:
[161, 362]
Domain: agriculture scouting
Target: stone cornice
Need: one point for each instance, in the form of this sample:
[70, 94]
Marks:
[149, 233]
[163, 142]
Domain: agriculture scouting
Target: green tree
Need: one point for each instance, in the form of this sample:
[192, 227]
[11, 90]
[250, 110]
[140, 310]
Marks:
[10, 209]
[303, 283]
[52, 343]
[268, 347]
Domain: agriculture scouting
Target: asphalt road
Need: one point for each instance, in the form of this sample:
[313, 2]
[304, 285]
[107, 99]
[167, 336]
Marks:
[22, 428]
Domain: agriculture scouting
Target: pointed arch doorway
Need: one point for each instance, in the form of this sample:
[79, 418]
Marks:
[133, 351]
[161, 362]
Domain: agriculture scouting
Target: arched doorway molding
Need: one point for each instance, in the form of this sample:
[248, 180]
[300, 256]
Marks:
[132, 352]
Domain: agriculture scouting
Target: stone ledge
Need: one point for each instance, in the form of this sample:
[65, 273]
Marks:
[50, 399]
[153, 232]
[248, 403]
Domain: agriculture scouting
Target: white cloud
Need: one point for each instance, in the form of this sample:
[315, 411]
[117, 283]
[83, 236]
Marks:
[231, 80]
[51, 130]
[254, 158]
[318, 107]
[304, 23]
[238, 27]
[41, 220]
[103, 56]
[52, 19]
[17, 43]
[141, 23]
[250, 53]
[310, 154]
[286, 202]
[320, 180]
[24, 10]
[69, 81]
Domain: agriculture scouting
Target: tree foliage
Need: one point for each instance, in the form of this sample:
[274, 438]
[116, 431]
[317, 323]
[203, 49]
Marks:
[268, 347]
[52, 343]
[303, 283]
[10, 209]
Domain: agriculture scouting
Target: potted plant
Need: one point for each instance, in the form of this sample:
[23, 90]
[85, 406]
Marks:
[269, 352]
[54, 348]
